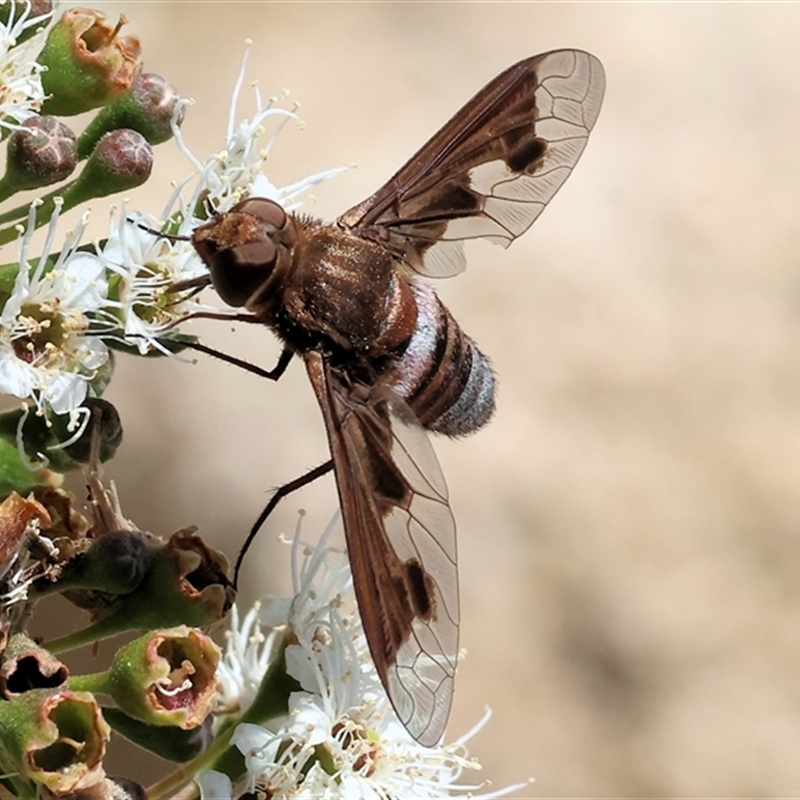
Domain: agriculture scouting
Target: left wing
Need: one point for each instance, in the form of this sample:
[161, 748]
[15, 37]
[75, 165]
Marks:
[491, 170]
[400, 540]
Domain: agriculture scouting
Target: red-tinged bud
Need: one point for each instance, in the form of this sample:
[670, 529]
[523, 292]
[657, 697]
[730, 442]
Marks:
[56, 738]
[19, 519]
[166, 678]
[199, 574]
[27, 666]
[148, 107]
[122, 160]
[41, 152]
[88, 63]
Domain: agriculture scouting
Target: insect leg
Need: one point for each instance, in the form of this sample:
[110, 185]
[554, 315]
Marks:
[287, 488]
[272, 374]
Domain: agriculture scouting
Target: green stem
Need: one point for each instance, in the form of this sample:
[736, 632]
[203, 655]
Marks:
[7, 189]
[43, 213]
[20, 212]
[101, 629]
[96, 683]
[272, 698]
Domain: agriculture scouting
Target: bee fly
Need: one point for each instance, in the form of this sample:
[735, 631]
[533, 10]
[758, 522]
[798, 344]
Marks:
[386, 359]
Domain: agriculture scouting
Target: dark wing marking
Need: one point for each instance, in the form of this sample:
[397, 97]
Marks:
[401, 541]
[491, 170]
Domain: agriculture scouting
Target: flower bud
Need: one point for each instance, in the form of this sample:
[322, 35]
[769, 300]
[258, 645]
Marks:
[122, 160]
[56, 738]
[41, 436]
[104, 430]
[88, 63]
[147, 107]
[115, 564]
[167, 742]
[27, 666]
[40, 152]
[187, 584]
[166, 678]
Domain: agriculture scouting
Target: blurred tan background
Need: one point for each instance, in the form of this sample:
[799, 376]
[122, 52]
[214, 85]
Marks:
[629, 524]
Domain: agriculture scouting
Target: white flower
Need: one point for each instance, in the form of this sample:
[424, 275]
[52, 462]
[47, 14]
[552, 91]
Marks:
[21, 93]
[235, 172]
[141, 266]
[215, 786]
[147, 264]
[341, 738]
[49, 347]
[247, 655]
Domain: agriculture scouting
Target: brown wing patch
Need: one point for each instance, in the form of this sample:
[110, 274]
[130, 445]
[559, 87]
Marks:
[401, 543]
[490, 171]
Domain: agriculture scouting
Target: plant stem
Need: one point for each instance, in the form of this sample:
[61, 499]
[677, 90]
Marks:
[96, 683]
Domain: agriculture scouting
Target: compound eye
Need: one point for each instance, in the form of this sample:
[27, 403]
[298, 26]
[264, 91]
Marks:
[267, 211]
[240, 271]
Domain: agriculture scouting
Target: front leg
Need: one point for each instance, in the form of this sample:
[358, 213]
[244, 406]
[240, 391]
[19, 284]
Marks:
[271, 374]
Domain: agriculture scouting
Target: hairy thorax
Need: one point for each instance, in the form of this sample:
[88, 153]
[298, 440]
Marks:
[347, 294]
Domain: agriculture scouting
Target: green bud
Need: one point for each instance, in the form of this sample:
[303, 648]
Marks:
[116, 563]
[147, 107]
[187, 584]
[104, 428]
[88, 64]
[122, 160]
[56, 738]
[26, 666]
[166, 678]
[41, 152]
[43, 437]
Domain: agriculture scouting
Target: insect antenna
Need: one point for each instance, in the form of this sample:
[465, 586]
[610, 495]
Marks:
[172, 237]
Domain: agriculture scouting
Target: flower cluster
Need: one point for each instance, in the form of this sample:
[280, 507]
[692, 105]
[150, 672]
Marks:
[339, 736]
[53, 731]
[293, 707]
[21, 38]
[62, 312]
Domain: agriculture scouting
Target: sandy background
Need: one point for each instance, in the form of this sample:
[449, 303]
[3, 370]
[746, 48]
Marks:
[629, 524]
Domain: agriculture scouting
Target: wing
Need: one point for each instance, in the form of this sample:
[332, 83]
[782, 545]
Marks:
[401, 541]
[491, 170]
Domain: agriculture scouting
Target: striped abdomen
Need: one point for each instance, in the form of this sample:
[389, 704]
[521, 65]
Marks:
[442, 375]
